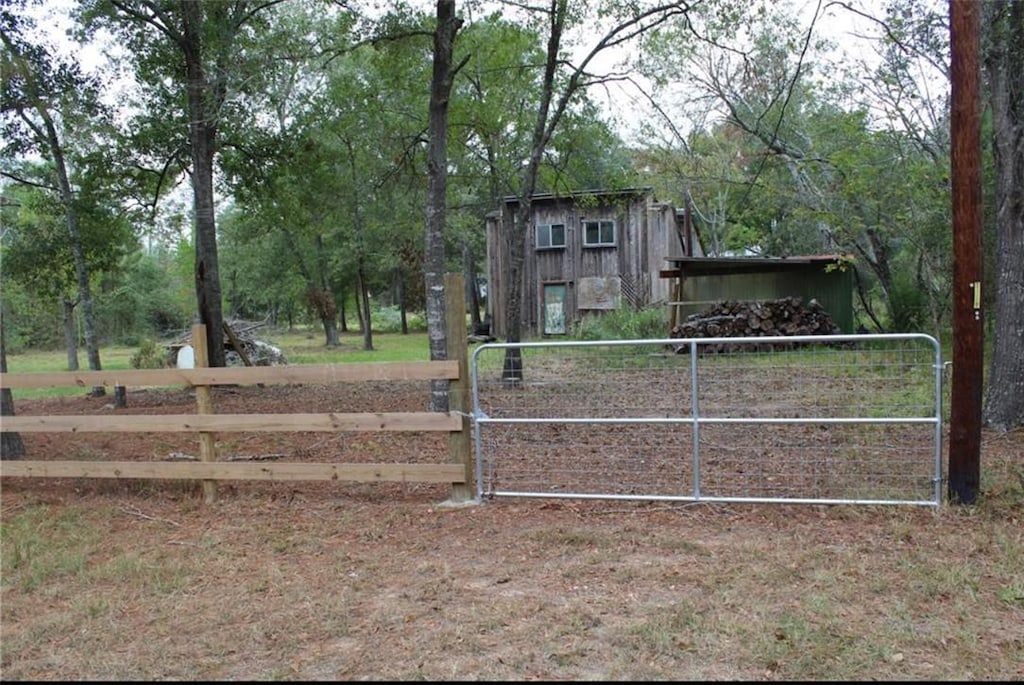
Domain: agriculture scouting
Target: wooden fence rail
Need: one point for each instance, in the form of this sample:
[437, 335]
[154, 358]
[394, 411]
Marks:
[458, 470]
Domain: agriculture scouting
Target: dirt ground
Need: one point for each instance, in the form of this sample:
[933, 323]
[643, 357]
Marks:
[136, 580]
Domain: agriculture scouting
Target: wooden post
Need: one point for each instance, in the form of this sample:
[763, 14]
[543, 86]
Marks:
[204, 405]
[965, 158]
[677, 295]
[459, 443]
[120, 397]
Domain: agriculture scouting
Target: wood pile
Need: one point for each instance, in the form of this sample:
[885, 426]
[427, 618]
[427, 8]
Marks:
[241, 346]
[787, 316]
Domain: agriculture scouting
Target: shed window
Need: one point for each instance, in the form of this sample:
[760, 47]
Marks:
[550, 236]
[598, 233]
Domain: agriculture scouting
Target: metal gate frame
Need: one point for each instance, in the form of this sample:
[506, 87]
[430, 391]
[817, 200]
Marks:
[696, 419]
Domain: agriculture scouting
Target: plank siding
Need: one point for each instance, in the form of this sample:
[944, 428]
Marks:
[647, 232]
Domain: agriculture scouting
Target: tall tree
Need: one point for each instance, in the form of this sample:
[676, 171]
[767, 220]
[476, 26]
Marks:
[437, 191]
[919, 30]
[802, 163]
[335, 169]
[281, 175]
[1003, 31]
[563, 80]
[285, 187]
[39, 252]
[43, 95]
[11, 444]
[489, 129]
[197, 51]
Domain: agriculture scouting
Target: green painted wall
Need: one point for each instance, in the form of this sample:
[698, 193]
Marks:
[833, 290]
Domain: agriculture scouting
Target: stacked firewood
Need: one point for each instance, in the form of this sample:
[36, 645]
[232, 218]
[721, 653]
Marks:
[241, 346]
[788, 316]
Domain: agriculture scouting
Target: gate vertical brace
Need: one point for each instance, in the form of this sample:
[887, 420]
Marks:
[965, 162]
[937, 433]
[459, 442]
[695, 413]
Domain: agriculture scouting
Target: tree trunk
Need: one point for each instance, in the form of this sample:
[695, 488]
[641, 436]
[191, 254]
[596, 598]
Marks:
[515, 236]
[325, 300]
[70, 336]
[543, 128]
[364, 296]
[879, 263]
[11, 444]
[437, 183]
[77, 249]
[234, 296]
[322, 302]
[358, 299]
[400, 300]
[865, 300]
[472, 287]
[342, 317]
[1003, 24]
[204, 100]
[330, 324]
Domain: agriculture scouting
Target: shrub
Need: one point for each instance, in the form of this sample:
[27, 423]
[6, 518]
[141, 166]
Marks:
[150, 356]
[623, 324]
[389, 320]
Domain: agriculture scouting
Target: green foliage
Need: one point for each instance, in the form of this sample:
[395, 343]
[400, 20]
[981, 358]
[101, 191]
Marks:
[908, 304]
[623, 324]
[149, 299]
[37, 250]
[29, 321]
[388, 319]
[324, 160]
[150, 356]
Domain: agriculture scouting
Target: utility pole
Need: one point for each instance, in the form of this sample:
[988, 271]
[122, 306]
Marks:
[965, 162]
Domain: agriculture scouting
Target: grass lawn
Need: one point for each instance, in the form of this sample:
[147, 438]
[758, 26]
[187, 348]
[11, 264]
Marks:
[300, 346]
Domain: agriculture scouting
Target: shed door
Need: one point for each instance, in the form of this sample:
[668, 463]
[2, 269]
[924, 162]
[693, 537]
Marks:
[554, 308]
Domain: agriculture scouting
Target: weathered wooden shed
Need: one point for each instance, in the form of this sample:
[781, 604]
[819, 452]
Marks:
[700, 282]
[586, 252]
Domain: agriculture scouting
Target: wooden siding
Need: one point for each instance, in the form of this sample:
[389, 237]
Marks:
[646, 233]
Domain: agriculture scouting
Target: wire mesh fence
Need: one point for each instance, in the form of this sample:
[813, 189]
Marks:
[792, 419]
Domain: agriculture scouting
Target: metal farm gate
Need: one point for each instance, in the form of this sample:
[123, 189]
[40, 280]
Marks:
[797, 419]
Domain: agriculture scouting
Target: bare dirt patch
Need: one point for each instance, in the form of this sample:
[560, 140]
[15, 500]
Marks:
[140, 580]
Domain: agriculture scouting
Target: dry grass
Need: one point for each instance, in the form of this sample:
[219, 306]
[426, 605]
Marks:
[313, 581]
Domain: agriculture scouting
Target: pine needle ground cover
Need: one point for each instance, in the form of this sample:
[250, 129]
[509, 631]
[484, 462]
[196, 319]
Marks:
[138, 580]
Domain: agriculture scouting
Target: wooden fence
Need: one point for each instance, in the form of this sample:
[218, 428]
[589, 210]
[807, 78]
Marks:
[458, 470]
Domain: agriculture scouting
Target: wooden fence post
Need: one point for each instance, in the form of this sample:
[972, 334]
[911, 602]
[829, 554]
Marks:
[459, 443]
[204, 405]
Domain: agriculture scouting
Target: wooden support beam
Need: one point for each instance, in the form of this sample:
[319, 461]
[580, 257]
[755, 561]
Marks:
[211, 471]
